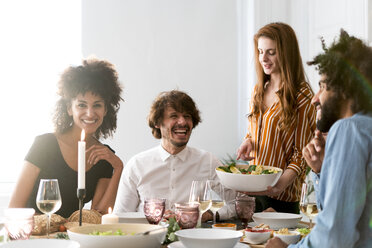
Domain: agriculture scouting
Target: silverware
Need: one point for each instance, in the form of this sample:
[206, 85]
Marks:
[152, 230]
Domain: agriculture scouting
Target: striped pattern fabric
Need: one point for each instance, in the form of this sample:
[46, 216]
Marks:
[283, 148]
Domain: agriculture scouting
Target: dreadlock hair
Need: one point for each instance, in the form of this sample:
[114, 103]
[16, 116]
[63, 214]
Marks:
[347, 65]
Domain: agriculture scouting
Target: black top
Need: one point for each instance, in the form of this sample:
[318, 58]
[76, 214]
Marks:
[46, 154]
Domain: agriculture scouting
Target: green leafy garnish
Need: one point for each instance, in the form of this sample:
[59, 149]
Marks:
[62, 236]
[172, 228]
[118, 232]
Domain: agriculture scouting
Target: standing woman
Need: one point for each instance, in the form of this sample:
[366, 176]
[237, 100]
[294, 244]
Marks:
[282, 119]
[89, 101]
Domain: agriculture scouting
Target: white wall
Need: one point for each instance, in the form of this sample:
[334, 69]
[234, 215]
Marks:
[312, 19]
[163, 45]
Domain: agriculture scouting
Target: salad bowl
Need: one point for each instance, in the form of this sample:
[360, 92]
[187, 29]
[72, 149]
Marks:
[246, 182]
[127, 235]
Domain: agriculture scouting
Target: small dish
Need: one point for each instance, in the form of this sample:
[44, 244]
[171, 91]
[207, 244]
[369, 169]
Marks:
[229, 226]
[292, 238]
[256, 236]
[178, 244]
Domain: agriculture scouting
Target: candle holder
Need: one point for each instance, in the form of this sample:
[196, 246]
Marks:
[81, 195]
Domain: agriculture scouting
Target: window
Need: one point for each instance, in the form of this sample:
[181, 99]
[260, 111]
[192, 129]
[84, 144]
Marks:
[39, 39]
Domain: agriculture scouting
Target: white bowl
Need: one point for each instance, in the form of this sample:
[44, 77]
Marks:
[247, 182]
[152, 240]
[41, 243]
[291, 238]
[277, 220]
[257, 237]
[132, 217]
[208, 238]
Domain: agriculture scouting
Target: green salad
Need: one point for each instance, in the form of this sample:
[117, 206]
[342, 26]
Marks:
[118, 232]
[252, 169]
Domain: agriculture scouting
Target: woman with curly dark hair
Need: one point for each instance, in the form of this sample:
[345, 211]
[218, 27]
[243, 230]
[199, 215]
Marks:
[89, 100]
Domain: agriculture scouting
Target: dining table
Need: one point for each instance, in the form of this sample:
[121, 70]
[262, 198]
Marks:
[204, 225]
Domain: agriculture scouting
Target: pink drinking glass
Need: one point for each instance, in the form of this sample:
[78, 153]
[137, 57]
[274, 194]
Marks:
[244, 207]
[154, 209]
[187, 214]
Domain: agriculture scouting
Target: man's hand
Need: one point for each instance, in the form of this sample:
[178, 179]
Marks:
[168, 214]
[275, 243]
[207, 216]
[244, 150]
[314, 151]
[271, 191]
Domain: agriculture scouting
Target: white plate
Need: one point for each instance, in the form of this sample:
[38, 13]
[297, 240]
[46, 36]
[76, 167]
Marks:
[132, 217]
[178, 244]
[41, 243]
[277, 220]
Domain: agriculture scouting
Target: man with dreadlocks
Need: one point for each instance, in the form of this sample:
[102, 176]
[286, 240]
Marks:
[344, 105]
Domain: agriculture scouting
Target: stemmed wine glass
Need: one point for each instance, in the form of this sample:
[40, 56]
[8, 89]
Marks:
[200, 193]
[217, 194]
[48, 198]
[154, 210]
[308, 201]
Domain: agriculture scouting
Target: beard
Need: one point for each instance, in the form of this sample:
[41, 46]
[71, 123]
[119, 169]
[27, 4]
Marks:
[330, 113]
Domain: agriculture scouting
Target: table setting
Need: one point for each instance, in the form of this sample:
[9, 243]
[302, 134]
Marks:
[88, 228]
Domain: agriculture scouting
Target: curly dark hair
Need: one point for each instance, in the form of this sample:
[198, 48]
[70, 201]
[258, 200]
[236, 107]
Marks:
[347, 65]
[178, 100]
[96, 76]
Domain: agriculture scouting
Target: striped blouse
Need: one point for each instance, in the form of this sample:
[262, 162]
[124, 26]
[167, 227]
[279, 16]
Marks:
[283, 148]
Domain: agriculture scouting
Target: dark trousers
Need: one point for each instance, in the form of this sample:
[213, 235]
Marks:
[264, 202]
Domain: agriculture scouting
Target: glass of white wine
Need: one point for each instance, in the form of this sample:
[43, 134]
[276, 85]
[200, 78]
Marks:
[308, 201]
[200, 193]
[217, 194]
[48, 198]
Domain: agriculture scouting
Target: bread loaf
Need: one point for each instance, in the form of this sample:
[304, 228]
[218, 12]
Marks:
[40, 223]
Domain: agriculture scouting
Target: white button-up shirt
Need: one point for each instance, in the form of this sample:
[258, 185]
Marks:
[155, 173]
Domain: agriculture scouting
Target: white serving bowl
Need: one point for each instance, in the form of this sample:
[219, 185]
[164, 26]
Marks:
[291, 238]
[41, 243]
[151, 240]
[277, 220]
[256, 237]
[132, 217]
[208, 238]
[247, 182]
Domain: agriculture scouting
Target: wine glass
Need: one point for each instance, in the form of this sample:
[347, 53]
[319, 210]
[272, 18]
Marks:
[308, 201]
[48, 198]
[154, 209]
[200, 193]
[244, 207]
[217, 194]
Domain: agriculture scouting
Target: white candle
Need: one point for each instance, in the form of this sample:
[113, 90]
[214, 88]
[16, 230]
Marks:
[81, 161]
[110, 218]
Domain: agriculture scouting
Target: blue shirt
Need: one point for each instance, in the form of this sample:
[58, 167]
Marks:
[345, 187]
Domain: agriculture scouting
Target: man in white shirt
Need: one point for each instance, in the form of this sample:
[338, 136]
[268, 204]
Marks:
[167, 170]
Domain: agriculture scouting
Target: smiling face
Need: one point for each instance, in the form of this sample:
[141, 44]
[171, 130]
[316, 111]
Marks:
[267, 55]
[175, 130]
[328, 105]
[87, 111]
